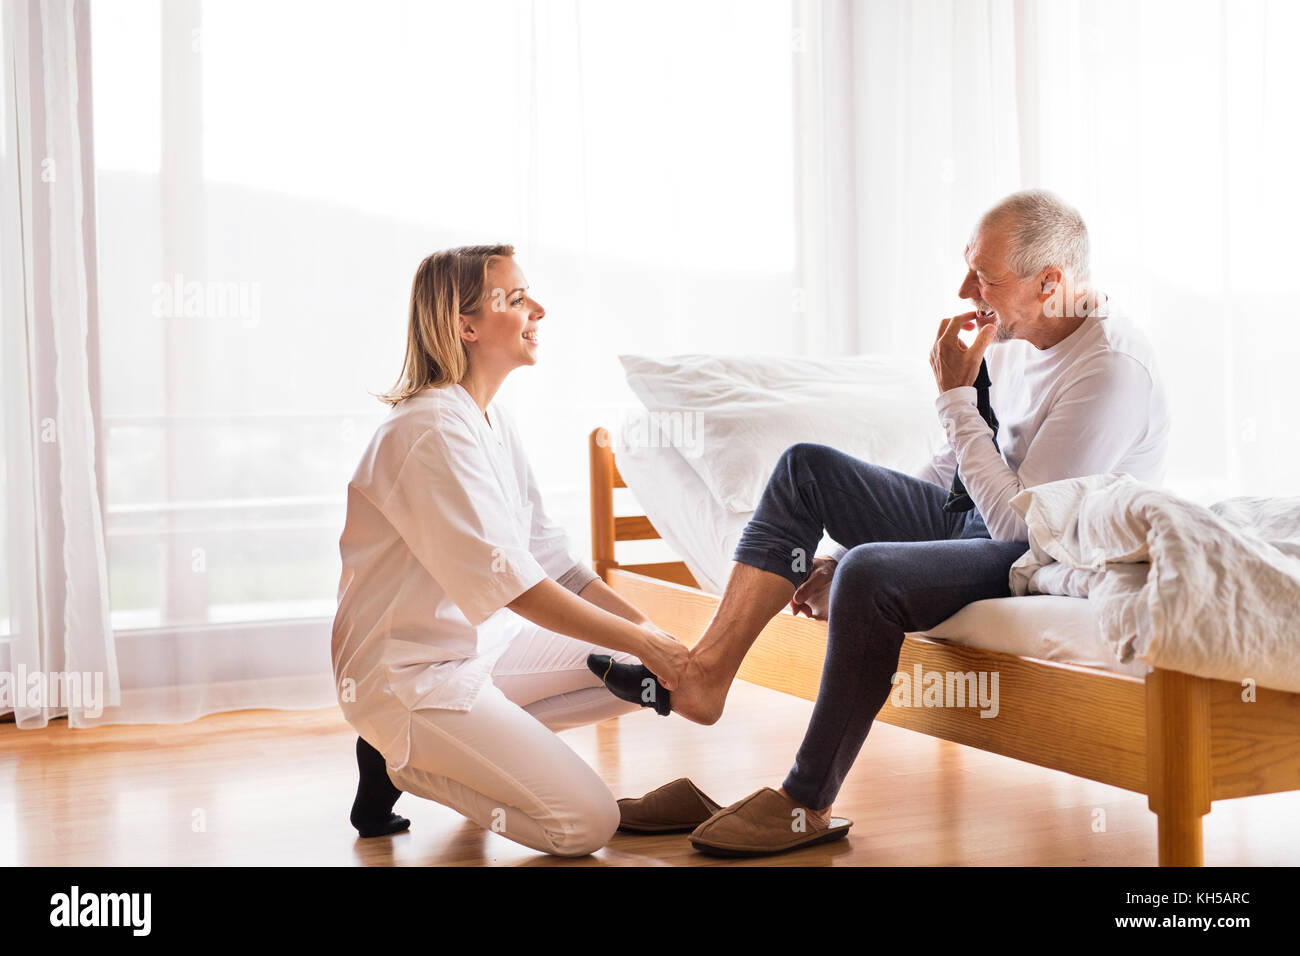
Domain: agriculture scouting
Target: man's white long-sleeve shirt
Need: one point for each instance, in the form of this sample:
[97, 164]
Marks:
[1093, 403]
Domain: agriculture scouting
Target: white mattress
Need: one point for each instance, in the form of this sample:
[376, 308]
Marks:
[1043, 626]
[704, 534]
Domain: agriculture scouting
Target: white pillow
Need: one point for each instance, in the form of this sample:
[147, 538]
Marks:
[732, 417]
[675, 499]
[677, 502]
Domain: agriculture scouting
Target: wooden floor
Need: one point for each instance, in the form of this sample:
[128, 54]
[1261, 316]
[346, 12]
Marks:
[274, 787]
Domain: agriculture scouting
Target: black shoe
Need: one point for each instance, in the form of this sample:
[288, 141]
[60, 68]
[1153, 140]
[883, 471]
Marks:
[631, 682]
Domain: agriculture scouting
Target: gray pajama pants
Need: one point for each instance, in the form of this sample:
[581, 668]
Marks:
[911, 566]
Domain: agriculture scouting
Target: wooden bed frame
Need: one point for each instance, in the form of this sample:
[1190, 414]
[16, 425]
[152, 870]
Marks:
[1184, 741]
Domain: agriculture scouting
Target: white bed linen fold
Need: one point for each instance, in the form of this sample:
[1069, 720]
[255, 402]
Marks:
[1212, 591]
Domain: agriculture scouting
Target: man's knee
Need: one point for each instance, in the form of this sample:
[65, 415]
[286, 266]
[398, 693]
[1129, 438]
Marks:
[803, 456]
[812, 459]
[871, 582]
[868, 568]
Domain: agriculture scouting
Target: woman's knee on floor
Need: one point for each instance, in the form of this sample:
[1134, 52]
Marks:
[586, 827]
[580, 821]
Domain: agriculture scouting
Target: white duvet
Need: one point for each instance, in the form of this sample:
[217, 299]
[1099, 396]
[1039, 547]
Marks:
[1213, 591]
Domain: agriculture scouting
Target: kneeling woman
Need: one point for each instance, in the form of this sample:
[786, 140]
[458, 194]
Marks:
[464, 623]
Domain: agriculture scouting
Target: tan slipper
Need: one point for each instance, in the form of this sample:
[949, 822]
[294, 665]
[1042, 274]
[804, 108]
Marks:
[677, 807]
[764, 822]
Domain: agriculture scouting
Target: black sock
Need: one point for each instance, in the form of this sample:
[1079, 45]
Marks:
[631, 682]
[372, 810]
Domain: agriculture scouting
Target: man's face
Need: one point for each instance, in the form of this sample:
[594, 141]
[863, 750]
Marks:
[998, 294]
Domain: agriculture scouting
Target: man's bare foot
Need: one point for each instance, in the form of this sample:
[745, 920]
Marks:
[698, 686]
[820, 818]
[701, 691]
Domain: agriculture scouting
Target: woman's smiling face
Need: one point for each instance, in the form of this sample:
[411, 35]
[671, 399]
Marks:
[502, 335]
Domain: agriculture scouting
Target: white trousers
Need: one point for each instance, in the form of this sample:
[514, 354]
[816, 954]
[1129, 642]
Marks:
[500, 763]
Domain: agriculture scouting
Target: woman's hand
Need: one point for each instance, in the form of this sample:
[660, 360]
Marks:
[556, 608]
[664, 655]
[813, 596]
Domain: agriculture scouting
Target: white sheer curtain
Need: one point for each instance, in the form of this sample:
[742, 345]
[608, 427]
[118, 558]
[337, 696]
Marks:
[905, 126]
[1174, 124]
[270, 174]
[1170, 124]
[732, 176]
[57, 651]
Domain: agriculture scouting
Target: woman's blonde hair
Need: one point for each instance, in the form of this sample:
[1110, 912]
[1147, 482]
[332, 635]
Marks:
[447, 284]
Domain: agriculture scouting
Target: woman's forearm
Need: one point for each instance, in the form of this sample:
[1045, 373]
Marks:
[549, 605]
[603, 596]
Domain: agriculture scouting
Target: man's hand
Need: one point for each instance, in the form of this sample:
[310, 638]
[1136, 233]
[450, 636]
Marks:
[954, 363]
[813, 596]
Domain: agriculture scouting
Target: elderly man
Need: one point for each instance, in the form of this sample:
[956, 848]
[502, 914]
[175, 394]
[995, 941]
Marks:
[1074, 391]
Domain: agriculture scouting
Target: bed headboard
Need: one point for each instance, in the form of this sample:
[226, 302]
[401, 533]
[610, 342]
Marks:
[607, 529]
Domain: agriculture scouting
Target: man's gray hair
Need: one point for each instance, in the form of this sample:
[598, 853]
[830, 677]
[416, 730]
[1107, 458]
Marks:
[1043, 230]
